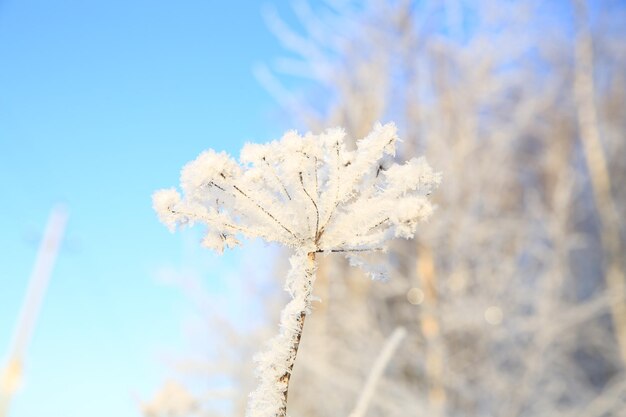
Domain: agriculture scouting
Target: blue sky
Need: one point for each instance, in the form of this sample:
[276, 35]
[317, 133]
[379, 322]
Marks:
[101, 103]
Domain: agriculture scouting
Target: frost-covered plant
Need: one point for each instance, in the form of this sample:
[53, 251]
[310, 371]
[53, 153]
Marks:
[309, 193]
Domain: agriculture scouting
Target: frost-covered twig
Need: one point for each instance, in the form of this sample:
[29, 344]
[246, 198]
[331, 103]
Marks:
[377, 371]
[275, 364]
[280, 192]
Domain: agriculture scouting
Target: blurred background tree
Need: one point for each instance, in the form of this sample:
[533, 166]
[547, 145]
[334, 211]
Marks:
[513, 296]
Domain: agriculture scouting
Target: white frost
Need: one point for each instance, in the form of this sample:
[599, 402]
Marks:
[309, 193]
[305, 191]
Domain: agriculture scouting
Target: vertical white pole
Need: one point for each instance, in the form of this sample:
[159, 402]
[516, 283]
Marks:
[10, 375]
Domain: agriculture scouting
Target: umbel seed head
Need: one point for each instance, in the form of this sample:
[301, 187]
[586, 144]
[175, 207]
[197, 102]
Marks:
[308, 192]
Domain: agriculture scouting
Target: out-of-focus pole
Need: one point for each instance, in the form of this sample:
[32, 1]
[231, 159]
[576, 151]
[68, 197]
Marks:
[584, 92]
[10, 374]
[434, 359]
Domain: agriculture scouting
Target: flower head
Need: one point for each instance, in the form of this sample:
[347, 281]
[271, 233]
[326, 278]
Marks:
[304, 191]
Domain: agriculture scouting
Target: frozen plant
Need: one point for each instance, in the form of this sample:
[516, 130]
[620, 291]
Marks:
[309, 193]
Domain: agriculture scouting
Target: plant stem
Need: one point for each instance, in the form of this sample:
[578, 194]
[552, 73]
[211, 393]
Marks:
[284, 379]
[307, 289]
[275, 365]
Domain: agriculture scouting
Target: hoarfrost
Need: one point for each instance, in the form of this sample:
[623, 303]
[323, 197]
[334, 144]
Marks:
[309, 193]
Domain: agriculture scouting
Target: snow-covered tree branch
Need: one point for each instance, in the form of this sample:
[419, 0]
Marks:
[310, 193]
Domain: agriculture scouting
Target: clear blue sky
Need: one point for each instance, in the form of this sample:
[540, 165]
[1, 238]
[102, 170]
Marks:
[101, 103]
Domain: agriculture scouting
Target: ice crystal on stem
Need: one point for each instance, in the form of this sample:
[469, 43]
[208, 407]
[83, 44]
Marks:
[310, 193]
